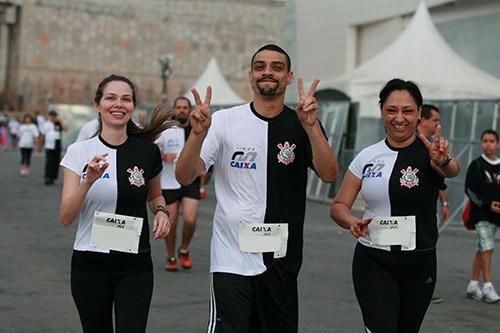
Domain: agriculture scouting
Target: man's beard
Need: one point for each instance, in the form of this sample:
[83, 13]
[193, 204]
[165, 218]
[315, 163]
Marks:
[181, 120]
[267, 91]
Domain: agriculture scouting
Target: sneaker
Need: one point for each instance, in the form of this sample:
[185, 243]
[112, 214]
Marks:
[203, 194]
[436, 300]
[185, 259]
[474, 292]
[171, 264]
[490, 295]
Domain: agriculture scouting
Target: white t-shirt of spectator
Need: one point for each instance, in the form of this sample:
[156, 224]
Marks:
[27, 134]
[13, 126]
[170, 141]
[88, 130]
[40, 120]
[51, 134]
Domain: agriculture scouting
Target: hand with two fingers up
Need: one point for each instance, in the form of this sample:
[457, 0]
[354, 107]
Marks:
[439, 155]
[201, 117]
[307, 109]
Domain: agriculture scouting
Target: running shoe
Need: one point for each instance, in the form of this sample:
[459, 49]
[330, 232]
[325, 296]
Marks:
[474, 292]
[171, 264]
[185, 259]
[490, 295]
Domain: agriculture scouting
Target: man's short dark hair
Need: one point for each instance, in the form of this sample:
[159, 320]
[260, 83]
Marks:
[490, 131]
[182, 98]
[427, 110]
[276, 48]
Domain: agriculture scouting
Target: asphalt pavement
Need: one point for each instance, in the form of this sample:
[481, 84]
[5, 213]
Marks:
[36, 249]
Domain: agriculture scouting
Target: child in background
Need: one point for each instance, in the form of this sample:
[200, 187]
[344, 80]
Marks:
[482, 186]
[4, 135]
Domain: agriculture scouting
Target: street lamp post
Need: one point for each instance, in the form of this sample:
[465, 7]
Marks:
[166, 73]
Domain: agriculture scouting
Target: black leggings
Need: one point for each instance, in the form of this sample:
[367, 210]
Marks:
[26, 156]
[95, 294]
[393, 289]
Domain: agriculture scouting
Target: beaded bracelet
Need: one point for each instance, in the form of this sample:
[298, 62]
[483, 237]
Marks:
[161, 209]
[446, 162]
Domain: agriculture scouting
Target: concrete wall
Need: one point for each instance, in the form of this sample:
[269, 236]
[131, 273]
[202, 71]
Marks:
[64, 48]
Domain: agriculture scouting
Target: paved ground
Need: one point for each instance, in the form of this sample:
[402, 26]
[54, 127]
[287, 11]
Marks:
[35, 255]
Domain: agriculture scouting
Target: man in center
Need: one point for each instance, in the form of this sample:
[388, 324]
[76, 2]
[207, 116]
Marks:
[261, 152]
[176, 196]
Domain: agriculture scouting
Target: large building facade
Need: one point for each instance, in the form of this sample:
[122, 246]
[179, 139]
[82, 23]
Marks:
[56, 51]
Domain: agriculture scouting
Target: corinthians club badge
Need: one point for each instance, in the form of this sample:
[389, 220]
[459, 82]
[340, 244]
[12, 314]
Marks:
[136, 178]
[409, 177]
[286, 154]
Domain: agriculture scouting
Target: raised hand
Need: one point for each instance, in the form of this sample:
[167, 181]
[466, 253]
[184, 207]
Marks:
[96, 168]
[200, 117]
[307, 109]
[438, 150]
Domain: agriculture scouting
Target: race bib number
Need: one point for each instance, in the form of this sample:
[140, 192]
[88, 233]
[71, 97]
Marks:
[116, 232]
[264, 237]
[393, 230]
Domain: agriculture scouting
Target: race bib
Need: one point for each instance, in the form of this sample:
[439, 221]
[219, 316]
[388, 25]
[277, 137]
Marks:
[393, 230]
[264, 237]
[116, 232]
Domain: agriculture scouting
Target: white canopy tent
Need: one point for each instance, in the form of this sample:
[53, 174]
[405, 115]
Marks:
[419, 54]
[222, 93]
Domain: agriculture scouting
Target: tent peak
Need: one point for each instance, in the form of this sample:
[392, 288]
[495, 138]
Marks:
[222, 93]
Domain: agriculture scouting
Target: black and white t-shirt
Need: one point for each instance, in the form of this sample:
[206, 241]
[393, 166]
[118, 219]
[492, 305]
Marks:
[123, 187]
[52, 132]
[482, 186]
[260, 172]
[399, 182]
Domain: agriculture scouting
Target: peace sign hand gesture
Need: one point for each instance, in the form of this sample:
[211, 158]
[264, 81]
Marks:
[307, 109]
[438, 150]
[200, 117]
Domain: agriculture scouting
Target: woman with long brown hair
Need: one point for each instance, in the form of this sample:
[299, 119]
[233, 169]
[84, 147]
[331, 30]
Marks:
[108, 180]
